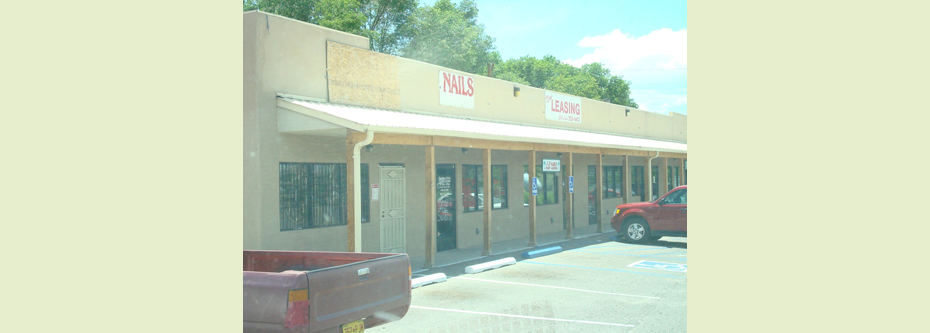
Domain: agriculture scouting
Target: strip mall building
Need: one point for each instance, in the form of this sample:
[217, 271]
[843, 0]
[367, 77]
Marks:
[346, 149]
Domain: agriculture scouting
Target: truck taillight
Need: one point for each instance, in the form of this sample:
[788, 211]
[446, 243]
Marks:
[298, 308]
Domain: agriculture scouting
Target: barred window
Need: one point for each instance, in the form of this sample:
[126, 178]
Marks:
[366, 193]
[313, 195]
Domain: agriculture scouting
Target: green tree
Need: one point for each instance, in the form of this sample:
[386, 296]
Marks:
[449, 35]
[575, 82]
[592, 81]
[342, 15]
[379, 20]
[613, 89]
[534, 71]
[301, 10]
[384, 23]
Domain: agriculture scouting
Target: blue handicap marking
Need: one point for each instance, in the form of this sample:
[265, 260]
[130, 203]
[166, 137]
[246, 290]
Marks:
[535, 186]
[665, 266]
[571, 184]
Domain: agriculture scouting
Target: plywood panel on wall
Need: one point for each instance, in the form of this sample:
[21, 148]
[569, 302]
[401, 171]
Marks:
[361, 77]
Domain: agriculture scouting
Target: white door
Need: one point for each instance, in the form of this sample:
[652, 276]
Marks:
[393, 210]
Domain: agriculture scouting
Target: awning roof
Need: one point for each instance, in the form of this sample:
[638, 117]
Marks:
[389, 121]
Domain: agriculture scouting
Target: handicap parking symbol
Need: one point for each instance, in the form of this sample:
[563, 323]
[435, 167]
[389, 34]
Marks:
[665, 266]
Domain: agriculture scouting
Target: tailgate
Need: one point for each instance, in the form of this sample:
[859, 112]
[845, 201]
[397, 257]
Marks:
[377, 290]
[267, 296]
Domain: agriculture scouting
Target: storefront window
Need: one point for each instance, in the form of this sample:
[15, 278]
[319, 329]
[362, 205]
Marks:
[499, 186]
[548, 187]
[473, 187]
[638, 176]
[613, 182]
[673, 179]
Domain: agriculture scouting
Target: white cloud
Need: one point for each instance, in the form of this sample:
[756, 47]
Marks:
[661, 49]
[657, 101]
[656, 64]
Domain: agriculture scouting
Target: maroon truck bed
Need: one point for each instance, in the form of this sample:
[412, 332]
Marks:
[285, 291]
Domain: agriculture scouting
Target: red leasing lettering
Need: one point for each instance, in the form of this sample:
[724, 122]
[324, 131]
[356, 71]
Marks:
[566, 107]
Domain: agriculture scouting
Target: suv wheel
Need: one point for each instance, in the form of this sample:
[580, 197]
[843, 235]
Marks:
[636, 230]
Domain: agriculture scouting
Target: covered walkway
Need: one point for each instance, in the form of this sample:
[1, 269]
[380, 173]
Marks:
[363, 126]
[517, 246]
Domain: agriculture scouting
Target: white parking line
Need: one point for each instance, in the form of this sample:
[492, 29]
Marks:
[553, 287]
[519, 316]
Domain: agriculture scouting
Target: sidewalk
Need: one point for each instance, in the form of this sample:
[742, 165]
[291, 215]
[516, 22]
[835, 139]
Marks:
[451, 257]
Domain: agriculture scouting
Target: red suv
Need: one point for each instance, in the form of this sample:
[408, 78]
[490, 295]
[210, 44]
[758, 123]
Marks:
[644, 221]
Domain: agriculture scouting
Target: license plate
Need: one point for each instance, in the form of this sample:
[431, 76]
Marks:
[354, 327]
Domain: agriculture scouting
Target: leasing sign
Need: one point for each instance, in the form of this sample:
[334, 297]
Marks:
[563, 108]
[456, 90]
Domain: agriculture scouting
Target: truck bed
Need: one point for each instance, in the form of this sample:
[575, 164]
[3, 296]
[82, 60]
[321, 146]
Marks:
[288, 291]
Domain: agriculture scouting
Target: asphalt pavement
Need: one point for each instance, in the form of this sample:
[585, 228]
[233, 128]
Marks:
[595, 284]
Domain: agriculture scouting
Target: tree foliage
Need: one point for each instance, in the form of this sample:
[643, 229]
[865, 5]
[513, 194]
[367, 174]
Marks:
[592, 81]
[379, 20]
[449, 35]
[385, 21]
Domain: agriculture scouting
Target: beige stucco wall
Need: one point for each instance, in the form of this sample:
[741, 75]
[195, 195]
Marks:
[251, 166]
[281, 55]
[419, 90]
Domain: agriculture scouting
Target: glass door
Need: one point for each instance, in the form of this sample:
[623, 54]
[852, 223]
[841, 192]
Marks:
[445, 207]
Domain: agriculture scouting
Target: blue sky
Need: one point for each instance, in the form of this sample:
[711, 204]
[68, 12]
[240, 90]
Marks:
[644, 41]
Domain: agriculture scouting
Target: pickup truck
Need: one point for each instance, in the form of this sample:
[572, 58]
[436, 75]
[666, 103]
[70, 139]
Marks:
[287, 291]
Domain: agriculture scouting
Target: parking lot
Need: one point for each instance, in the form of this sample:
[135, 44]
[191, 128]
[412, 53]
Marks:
[594, 285]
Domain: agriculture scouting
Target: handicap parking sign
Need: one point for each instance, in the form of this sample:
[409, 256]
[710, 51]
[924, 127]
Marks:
[665, 266]
[571, 184]
[534, 186]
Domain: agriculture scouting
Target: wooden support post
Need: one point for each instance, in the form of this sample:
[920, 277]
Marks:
[488, 202]
[627, 180]
[531, 170]
[647, 169]
[430, 207]
[663, 176]
[350, 193]
[681, 171]
[599, 191]
[567, 202]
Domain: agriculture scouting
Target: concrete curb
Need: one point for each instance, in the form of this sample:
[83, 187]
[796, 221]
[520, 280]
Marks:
[542, 252]
[489, 265]
[429, 279]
